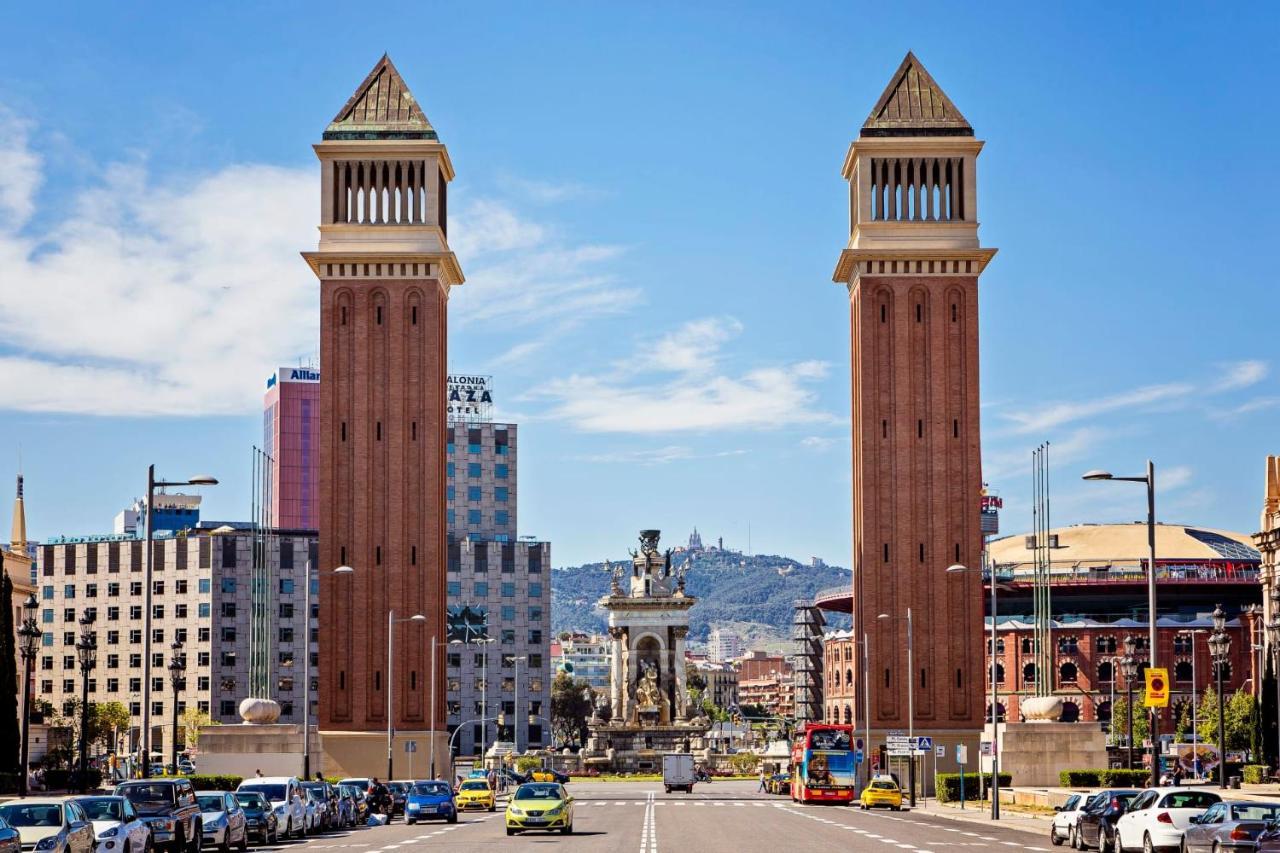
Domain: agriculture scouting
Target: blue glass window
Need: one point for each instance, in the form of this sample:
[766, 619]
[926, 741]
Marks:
[204, 609]
[473, 493]
[500, 494]
[535, 590]
[501, 517]
[286, 585]
[452, 516]
[205, 585]
[508, 613]
[69, 591]
[473, 516]
[473, 448]
[228, 585]
[448, 469]
[448, 492]
[454, 588]
[500, 471]
[448, 448]
[482, 590]
[473, 469]
[47, 639]
[501, 449]
[535, 612]
[46, 615]
[508, 590]
[47, 593]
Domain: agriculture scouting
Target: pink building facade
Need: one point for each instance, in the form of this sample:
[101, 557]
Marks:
[291, 427]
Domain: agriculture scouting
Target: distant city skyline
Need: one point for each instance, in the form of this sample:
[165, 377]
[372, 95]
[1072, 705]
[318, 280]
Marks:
[648, 249]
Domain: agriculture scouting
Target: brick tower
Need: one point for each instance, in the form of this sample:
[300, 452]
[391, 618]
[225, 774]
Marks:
[911, 268]
[385, 270]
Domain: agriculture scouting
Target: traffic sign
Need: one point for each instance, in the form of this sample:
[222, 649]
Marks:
[411, 746]
[924, 742]
[857, 756]
[941, 751]
[858, 744]
[1157, 695]
[986, 749]
[962, 753]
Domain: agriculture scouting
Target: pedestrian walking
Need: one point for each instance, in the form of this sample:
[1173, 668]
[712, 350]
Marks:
[762, 787]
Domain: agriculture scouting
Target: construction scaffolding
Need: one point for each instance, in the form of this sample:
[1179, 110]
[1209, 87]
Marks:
[807, 627]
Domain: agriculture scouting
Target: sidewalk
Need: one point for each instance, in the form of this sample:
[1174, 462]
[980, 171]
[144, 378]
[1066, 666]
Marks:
[980, 813]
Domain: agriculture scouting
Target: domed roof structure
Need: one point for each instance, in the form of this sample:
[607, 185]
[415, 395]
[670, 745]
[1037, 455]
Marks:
[1126, 544]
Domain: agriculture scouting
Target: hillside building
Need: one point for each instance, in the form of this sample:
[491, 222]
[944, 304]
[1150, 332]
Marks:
[722, 683]
[723, 646]
[585, 656]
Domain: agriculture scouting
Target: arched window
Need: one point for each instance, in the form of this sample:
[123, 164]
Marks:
[1068, 645]
[999, 673]
[1182, 644]
[1106, 672]
[848, 716]
[999, 711]
[1067, 673]
[848, 678]
[1142, 673]
[1225, 666]
[1105, 645]
[1070, 713]
[1029, 674]
[1182, 671]
[1103, 712]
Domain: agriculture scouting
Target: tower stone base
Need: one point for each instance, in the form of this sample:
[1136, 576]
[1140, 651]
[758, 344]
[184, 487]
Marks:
[275, 749]
[364, 754]
[1033, 753]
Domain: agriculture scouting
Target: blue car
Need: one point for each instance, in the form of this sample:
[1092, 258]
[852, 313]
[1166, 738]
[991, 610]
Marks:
[430, 801]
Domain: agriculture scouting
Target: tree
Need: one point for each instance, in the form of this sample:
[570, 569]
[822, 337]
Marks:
[1182, 725]
[10, 737]
[1120, 722]
[571, 705]
[109, 719]
[1239, 711]
[192, 720]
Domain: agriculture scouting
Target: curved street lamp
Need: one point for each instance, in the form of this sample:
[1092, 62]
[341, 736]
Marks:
[1128, 665]
[177, 678]
[28, 641]
[87, 653]
[1219, 648]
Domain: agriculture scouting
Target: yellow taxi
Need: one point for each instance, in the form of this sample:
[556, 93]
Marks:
[476, 795]
[540, 805]
[883, 792]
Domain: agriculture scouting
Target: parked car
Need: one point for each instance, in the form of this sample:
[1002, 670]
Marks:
[1157, 817]
[430, 801]
[399, 794]
[549, 774]
[224, 820]
[359, 807]
[1232, 825]
[51, 824]
[779, 783]
[345, 805]
[328, 798]
[116, 825]
[314, 808]
[285, 795]
[1066, 815]
[168, 806]
[1096, 825]
[259, 817]
[882, 792]
[10, 841]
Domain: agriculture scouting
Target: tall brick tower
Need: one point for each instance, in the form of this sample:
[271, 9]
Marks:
[385, 270]
[911, 268]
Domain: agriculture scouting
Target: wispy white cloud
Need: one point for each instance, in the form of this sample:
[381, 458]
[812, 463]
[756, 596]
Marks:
[655, 456]
[680, 391]
[1005, 462]
[1258, 404]
[548, 192]
[817, 443]
[1174, 477]
[1041, 419]
[20, 172]
[1242, 374]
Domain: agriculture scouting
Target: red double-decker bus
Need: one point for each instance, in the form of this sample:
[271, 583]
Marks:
[822, 767]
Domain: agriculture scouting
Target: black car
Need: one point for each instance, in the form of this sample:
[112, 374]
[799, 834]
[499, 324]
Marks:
[259, 818]
[169, 808]
[399, 795]
[328, 797]
[1097, 824]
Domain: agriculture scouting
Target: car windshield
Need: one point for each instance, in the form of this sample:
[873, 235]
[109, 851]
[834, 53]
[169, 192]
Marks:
[102, 808]
[883, 786]
[271, 792]
[432, 789]
[398, 787]
[32, 814]
[148, 795]
[1254, 811]
[1189, 800]
[251, 800]
[211, 802]
[538, 792]
[475, 785]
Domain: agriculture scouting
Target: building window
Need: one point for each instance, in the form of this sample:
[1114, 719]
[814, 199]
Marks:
[227, 708]
[473, 469]
[1182, 671]
[46, 616]
[449, 493]
[228, 635]
[228, 610]
[202, 609]
[508, 589]
[1029, 674]
[535, 590]
[448, 469]
[473, 493]
[508, 613]
[1182, 644]
[1026, 645]
[157, 587]
[228, 585]
[286, 635]
[286, 611]
[286, 586]
[1106, 672]
[46, 593]
[180, 611]
[501, 517]
[535, 661]
[454, 589]
[535, 613]
[535, 637]
[482, 589]
[204, 585]
[473, 516]
[1068, 646]
[228, 658]
[91, 590]
[1067, 673]
[180, 587]
[508, 636]
[500, 494]
[69, 591]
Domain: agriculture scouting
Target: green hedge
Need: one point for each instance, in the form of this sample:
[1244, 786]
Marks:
[974, 784]
[1106, 778]
[1255, 774]
[209, 782]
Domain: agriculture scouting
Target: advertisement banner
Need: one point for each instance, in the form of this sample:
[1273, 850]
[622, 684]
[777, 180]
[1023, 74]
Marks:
[828, 762]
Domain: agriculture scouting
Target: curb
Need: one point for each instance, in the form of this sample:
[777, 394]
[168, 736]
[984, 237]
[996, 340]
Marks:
[987, 821]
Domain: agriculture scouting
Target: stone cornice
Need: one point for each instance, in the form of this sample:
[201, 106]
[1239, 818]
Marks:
[385, 149]
[341, 265]
[854, 263]
[623, 602]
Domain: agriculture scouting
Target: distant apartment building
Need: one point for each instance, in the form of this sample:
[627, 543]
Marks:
[201, 597]
[585, 656]
[758, 664]
[775, 693]
[481, 481]
[173, 513]
[722, 683]
[723, 646]
[291, 429]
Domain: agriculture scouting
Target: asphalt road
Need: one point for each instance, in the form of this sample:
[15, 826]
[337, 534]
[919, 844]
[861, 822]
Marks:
[722, 816]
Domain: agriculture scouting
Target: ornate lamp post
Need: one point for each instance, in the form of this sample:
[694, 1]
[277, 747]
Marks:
[28, 640]
[87, 652]
[177, 678]
[1273, 638]
[1128, 664]
[1219, 647]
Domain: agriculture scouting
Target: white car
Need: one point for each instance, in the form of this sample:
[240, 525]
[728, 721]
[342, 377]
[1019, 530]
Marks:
[314, 811]
[116, 825]
[285, 794]
[1064, 820]
[224, 821]
[1156, 818]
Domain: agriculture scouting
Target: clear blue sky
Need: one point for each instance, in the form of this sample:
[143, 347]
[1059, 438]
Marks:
[648, 208]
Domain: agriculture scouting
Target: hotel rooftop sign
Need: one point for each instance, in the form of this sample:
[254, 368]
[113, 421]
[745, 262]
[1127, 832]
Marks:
[470, 398]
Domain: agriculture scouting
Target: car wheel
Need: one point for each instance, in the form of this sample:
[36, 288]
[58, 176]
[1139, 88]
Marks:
[1073, 838]
[1104, 843]
[453, 818]
[147, 845]
[244, 839]
[1053, 836]
[197, 839]
[409, 821]
[1147, 846]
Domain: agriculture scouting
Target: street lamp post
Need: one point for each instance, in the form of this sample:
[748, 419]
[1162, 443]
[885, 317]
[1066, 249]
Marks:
[1219, 647]
[1129, 669]
[87, 652]
[392, 621]
[28, 639]
[1273, 637]
[152, 485]
[911, 707]
[177, 673]
[1149, 479]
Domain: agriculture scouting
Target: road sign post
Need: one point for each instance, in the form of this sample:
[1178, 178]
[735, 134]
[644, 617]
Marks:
[962, 758]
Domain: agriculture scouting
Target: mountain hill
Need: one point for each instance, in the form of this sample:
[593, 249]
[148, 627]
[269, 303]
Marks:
[754, 596]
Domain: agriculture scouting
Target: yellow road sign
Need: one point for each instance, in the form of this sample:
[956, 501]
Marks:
[1157, 688]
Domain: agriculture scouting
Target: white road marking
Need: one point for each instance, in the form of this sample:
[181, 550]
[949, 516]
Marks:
[649, 829]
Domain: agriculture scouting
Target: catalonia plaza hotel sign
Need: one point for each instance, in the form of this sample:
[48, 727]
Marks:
[470, 398]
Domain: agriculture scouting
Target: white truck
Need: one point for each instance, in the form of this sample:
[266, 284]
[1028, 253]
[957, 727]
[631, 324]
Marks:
[677, 772]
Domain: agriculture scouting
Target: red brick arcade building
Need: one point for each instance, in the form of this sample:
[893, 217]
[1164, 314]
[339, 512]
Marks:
[385, 271]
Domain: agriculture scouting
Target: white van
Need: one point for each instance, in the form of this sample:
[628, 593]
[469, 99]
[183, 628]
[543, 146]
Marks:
[285, 794]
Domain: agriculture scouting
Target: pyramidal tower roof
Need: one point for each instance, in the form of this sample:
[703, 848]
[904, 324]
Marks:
[381, 108]
[914, 105]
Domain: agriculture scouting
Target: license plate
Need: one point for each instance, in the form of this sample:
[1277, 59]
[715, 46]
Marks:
[535, 820]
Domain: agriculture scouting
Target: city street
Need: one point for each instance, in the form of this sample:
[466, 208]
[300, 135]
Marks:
[722, 816]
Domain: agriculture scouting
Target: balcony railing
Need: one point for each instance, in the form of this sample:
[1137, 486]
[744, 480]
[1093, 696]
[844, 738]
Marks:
[1131, 573]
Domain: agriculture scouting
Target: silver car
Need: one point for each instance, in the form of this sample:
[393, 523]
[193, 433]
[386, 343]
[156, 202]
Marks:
[1229, 825]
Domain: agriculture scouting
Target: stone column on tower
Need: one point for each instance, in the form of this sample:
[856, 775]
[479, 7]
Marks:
[911, 268]
[680, 632]
[385, 271]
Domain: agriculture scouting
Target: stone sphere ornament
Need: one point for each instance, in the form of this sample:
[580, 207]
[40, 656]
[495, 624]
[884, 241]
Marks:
[1042, 709]
[259, 712]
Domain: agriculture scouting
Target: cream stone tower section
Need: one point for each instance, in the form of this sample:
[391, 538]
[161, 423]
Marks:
[911, 269]
[1268, 537]
[385, 270]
